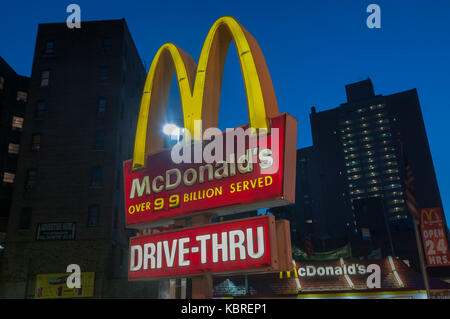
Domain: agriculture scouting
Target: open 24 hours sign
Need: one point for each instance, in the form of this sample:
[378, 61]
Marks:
[245, 245]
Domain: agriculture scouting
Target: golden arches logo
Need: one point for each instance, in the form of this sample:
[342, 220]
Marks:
[200, 86]
[428, 214]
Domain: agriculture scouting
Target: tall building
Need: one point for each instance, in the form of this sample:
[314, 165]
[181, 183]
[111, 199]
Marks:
[13, 102]
[359, 149]
[67, 205]
[305, 215]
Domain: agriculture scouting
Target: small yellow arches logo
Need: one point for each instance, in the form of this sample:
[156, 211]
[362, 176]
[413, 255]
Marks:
[200, 86]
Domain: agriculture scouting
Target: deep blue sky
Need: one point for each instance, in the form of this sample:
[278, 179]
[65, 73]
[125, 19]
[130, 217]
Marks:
[313, 49]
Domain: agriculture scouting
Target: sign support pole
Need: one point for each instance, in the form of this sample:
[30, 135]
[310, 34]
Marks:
[423, 268]
[202, 286]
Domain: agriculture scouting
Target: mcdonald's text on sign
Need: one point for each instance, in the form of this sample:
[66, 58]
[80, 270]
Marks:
[434, 237]
[165, 190]
[244, 245]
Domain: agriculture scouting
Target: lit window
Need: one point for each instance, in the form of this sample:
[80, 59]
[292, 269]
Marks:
[391, 186]
[352, 163]
[392, 163]
[17, 123]
[45, 77]
[22, 96]
[374, 189]
[13, 148]
[396, 209]
[36, 142]
[372, 174]
[354, 177]
[8, 177]
[353, 170]
[397, 193]
[373, 181]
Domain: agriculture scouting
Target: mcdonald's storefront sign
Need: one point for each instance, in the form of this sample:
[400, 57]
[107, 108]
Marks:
[258, 175]
[434, 237]
[166, 190]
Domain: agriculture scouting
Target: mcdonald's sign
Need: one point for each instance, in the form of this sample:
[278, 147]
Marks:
[258, 175]
[434, 237]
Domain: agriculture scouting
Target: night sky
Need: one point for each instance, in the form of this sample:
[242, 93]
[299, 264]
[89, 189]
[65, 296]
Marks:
[312, 48]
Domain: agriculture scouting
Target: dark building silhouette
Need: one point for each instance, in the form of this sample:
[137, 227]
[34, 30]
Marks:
[358, 146]
[305, 215]
[67, 205]
[13, 102]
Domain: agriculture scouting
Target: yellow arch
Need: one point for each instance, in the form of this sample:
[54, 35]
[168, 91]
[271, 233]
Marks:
[200, 86]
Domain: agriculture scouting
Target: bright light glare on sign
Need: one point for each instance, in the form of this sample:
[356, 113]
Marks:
[171, 129]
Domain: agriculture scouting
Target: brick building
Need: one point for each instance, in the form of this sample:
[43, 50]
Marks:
[67, 206]
[13, 102]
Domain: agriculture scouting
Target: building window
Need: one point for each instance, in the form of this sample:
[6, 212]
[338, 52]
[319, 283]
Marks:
[31, 180]
[17, 123]
[45, 77]
[107, 44]
[99, 141]
[49, 47]
[104, 73]
[36, 142]
[25, 218]
[22, 96]
[96, 176]
[13, 148]
[2, 83]
[40, 110]
[93, 216]
[8, 177]
[101, 107]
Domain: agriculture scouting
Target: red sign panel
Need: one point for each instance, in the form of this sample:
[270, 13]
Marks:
[244, 245]
[164, 189]
[434, 237]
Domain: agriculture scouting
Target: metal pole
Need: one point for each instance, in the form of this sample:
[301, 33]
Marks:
[202, 286]
[423, 268]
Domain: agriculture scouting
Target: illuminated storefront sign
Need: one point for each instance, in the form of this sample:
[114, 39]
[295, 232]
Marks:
[312, 271]
[244, 245]
[434, 237]
[166, 190]
[156, 188]
[53, 286]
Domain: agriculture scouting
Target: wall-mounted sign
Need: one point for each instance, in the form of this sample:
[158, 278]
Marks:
[55, 231]
[434, 237]
[245, 245]
[53, 286]
[165, 189]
